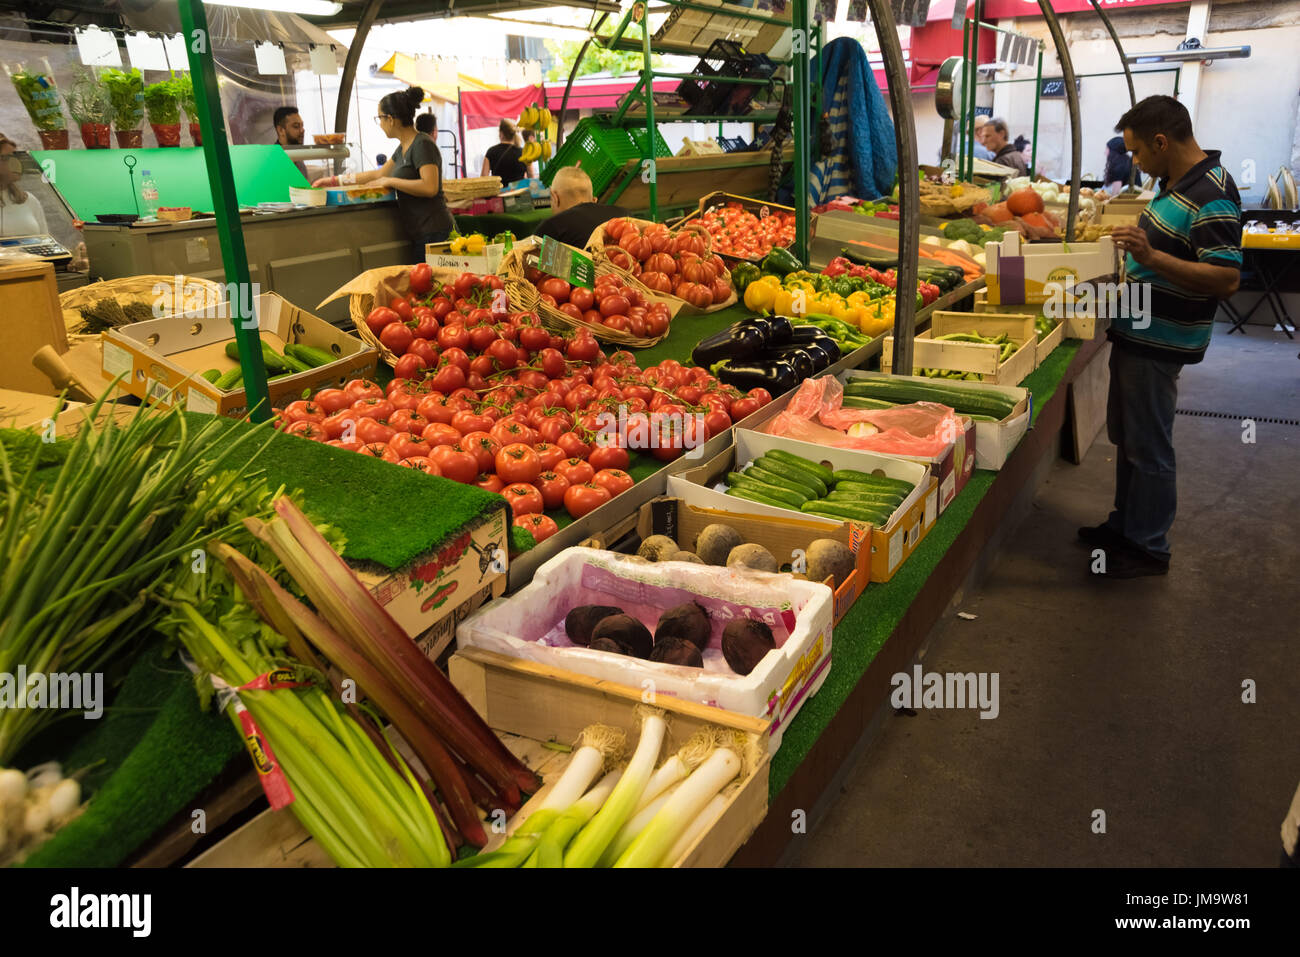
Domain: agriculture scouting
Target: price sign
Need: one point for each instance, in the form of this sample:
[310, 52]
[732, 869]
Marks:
[556, 259]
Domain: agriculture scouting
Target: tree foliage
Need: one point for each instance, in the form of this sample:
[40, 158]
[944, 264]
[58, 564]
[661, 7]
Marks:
[597, 60]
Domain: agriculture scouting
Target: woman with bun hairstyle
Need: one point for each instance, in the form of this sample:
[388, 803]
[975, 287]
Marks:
[413, 172]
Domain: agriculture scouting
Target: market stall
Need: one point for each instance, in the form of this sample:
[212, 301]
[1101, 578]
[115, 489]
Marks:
[741, 459]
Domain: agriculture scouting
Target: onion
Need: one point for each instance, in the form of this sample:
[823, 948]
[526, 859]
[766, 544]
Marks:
[64, 800]
[37, 818]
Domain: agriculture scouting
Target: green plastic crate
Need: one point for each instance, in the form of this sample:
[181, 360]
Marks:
[601, 150]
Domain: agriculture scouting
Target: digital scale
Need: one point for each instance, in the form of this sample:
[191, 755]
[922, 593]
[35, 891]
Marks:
[42, 247]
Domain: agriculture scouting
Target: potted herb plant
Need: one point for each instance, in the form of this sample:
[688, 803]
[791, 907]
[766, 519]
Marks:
[126, 94]
[185, 90]
[91, 109]
[163, 104]
[37, 91]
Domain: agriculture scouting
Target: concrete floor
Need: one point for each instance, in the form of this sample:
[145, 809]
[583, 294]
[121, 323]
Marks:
[1119, 697]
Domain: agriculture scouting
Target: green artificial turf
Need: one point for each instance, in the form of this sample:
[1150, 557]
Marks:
[864, 630]
[148, 756]
[388, 515]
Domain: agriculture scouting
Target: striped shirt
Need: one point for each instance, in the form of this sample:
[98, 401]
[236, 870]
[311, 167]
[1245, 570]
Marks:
[1197, 219]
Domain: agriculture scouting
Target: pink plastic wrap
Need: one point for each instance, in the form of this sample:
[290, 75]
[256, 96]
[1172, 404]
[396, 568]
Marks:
[923, 429]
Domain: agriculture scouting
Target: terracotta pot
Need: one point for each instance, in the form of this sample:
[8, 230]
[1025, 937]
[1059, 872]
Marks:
[54, 139]
[167, 134]
[95, 136]
[129, 139]
[195, 134]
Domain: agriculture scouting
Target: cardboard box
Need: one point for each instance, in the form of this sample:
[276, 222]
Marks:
[341, 195]
[890, 545]
[529, 626]
[985, 359]
[158, 356]
[1017, 272]
[433, 586]
[993, 440]
[787, 539]
[440, 256]
[29, 303]
[1083, 319]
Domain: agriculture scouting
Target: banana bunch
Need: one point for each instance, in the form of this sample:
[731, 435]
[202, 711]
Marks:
[535, 118]
[535, 150]
[468, 245]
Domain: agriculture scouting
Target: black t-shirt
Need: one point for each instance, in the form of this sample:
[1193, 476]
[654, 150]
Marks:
[503, 161]
[422, 216]
[574, 226]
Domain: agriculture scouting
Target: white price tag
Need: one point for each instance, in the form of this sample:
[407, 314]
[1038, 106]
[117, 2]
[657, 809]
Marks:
[98, 47]
[323, 62]
[270, 59]
[146, 52]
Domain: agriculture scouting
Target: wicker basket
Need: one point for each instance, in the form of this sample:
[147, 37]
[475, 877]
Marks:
[596, 248]
[747, 203]
[158, 292]
[524, 292]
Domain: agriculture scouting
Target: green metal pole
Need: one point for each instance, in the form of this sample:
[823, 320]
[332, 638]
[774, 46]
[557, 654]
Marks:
[961, 107]
[648, 88]
[221, 178]
[974, 78]
[802, 38]
[1038, 98]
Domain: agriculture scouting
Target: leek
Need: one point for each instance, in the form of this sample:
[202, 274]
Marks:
[595, 837]
[550, 849]
[635, 825]
[599, 744]
[703, 821]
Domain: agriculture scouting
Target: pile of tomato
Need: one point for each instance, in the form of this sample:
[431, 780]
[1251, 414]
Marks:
[735, 231]
[528, 421]
[678, 264]
[611, 304]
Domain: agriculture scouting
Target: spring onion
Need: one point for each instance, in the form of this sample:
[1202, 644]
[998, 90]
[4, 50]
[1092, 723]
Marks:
[587, 847]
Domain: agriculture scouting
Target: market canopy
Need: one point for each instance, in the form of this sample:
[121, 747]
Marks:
[438, 77]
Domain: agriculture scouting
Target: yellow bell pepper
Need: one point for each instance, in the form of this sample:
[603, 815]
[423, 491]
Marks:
[782, 302]
[759, 296]
[475, 245]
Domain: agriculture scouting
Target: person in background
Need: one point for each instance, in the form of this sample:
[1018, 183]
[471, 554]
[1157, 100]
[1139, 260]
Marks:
[381, 159]
[981, 151]
[289, 131]
[414, 172]
[1185, 253]
[20, 211]
[502, 160]
[1004, 152]
[1118, 166]
[575, 212]
[427, 124]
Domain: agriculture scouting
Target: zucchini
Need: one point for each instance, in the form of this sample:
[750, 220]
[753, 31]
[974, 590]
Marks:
[966, 400]
[775, 492]
[879, 481]
[843, 510]
[793, 473]
[310, 355]
[231, 380]
[780, 481]
[814, 468]
[750, 495]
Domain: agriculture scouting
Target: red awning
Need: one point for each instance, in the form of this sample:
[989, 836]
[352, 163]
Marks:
[600, 95]
[484, 108]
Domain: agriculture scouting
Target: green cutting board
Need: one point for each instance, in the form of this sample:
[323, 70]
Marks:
[96, 181]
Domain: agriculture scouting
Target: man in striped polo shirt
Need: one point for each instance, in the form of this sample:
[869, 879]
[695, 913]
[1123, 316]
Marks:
[1186, 250]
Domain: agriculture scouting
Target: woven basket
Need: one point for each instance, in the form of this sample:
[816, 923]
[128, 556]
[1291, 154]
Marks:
[596, 248]
[158, 292]
[524, 292]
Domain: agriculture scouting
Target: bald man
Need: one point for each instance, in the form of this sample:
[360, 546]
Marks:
[576, 214]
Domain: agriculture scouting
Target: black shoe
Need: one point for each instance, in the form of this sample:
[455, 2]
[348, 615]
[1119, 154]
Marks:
[1126, 561]
[1100, 536]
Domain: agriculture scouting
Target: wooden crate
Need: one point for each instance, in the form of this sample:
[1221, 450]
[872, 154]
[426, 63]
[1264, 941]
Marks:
[930, 353]
[530, 705]
[1045, 345]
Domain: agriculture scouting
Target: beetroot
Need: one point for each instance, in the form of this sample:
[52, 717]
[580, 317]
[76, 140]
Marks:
[677, 651]
[626, 631]
[581, 621]
[744, 644]
[688, 621]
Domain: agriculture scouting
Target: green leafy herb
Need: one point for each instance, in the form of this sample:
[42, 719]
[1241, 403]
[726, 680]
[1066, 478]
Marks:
[88, 101]
[162, 100]
[126, 93]
[185, 91]
[39, 95]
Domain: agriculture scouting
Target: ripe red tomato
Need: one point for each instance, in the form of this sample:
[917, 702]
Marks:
[490, 483]
[550, 455]
[609, 457]
[552, 486]
[426, 324]
[406, 445]
[436, 407]
[556, 288]
[762, 395]
[457, 357]
[614, 306]
[397, 337]
[573, 445]
[401, 307]
[371, 431]
[483, 447]
[303, 410]
[455, 463]
[541, 527]
[582, 297]
[332, 400]
[363, 389]
[307, 429]
[524, 499]
[504, 354]
[466, 421]
[615, 481]
[352, 446]
[375, 450]
[715, 423]
[421, 279]
[535, 338]
[421, 463]
[440, 433]
[518, 463]
[380, 317]
[342, 425]
[740, 408]
[575, 471]
[405, 420]
[380, 409]
[453, 336]
[586, 497]
[448, 378]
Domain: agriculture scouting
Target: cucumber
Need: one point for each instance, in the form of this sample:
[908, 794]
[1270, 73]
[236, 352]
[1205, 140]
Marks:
[295, 364]
[814, 468]
[875, 491]
[843, 510]
[866, 478]
[273, 361]
[231, 380]
[862, 402]
[874, 501]
[793, 473]
[212, 375]
[310, 355]
[791, 498]
[750, 495]
[966, 400]
[771, 478]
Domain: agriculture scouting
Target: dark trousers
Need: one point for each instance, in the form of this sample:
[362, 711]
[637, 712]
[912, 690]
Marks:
[417, 247]
[1140, 421]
